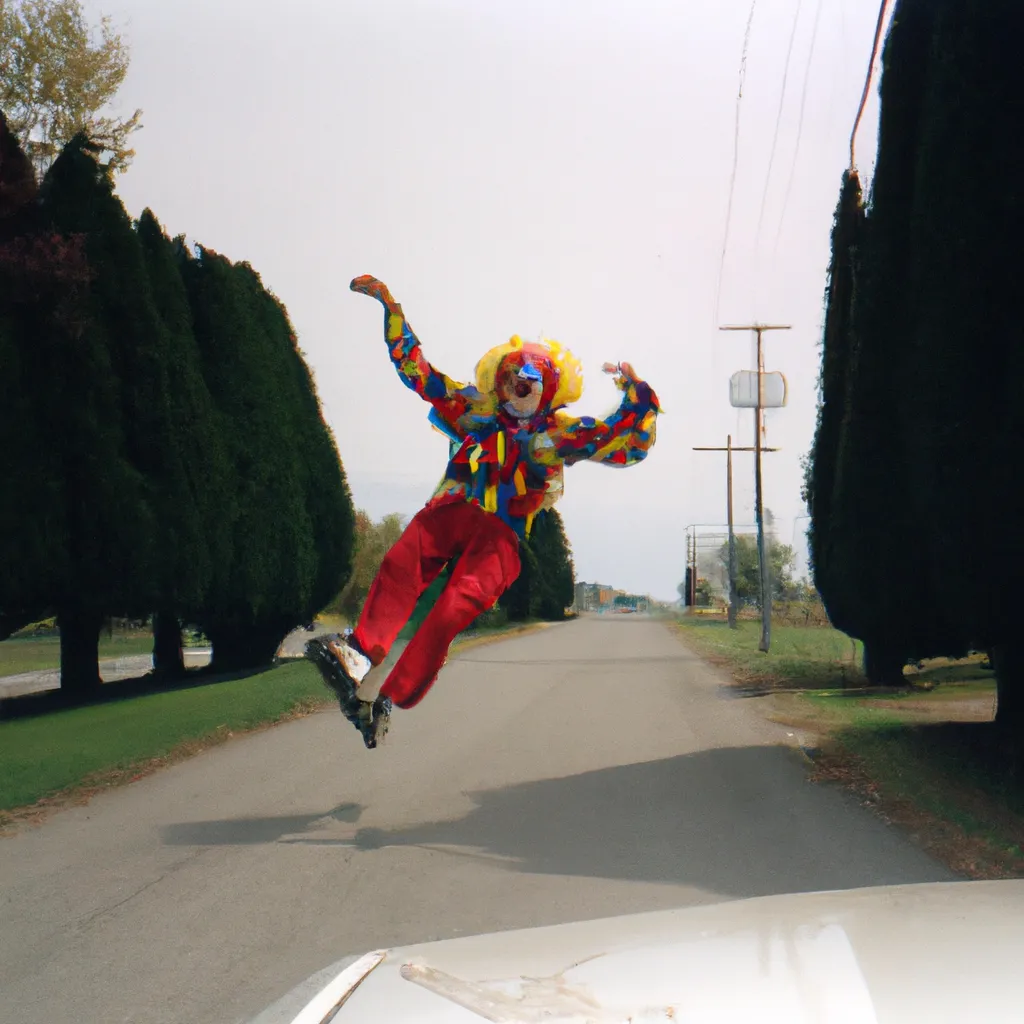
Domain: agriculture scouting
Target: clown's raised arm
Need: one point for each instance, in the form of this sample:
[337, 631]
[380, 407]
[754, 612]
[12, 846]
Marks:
[621, 439]
[450, 399]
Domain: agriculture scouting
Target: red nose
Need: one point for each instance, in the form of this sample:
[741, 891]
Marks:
[523, 388]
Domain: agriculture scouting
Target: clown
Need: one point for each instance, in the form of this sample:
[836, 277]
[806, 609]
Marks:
[510, 437]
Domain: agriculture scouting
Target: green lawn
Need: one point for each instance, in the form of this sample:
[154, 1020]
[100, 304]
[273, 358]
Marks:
[31, 654]
[41, 756]
[799, 655]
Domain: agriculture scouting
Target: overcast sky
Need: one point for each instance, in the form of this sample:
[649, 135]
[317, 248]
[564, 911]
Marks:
[521, 167]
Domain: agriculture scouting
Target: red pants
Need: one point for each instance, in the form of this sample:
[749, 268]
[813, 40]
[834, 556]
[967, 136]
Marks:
[488, 552]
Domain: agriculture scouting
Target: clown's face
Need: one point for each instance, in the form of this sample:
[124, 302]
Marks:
[520, 390]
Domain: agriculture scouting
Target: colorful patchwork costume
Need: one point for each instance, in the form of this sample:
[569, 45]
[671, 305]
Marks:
[510, 438]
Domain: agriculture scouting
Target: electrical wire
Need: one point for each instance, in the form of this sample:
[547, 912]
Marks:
[884, 6]
[778, 125]
[799, 127]
[735, 158]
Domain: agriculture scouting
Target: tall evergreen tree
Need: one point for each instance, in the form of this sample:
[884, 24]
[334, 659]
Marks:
[101, 406]
[964, 418]
[290, 512]
[546, 583]
[870, 568]
[27, 276]
[554, 590]
[826, 562]
[17, 177]
[191, 524]
[161, 468]
[326, 496]
[518, 601]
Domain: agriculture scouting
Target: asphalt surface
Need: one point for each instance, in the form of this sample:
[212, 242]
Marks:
[590, 769]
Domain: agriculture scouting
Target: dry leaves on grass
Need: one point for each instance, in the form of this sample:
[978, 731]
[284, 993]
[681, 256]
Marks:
[976, 857]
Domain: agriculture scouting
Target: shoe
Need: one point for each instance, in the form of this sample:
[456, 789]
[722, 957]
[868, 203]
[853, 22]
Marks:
[372, 720]
[342, 667]
[356, 665]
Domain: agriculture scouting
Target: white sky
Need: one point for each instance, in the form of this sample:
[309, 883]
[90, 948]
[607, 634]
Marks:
[518, 167]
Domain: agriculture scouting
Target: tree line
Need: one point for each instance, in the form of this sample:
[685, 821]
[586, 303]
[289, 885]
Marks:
[712, 583]
[162, 446]
[546, 586]
[913, 481]
[163, 452]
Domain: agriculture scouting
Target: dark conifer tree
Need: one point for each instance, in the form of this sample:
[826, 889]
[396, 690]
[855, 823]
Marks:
[291, 522]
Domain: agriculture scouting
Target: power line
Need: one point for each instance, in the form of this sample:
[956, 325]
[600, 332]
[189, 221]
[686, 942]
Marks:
[735, 156]
[883, 7]
[799, 127]
[778, 125]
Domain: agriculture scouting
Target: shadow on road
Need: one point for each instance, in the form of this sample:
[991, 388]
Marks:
[741, 821]
[253, 831]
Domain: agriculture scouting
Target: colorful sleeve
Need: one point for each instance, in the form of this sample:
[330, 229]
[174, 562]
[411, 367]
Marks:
[621, 439]
[451, 400]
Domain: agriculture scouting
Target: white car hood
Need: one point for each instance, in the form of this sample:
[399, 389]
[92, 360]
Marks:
[895, 955]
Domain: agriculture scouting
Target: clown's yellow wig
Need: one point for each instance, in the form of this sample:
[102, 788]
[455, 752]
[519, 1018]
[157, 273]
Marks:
[559, 361]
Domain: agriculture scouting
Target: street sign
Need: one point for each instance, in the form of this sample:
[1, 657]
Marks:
[743, 390]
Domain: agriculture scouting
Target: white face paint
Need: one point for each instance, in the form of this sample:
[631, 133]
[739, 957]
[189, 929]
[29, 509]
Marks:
[521, 392]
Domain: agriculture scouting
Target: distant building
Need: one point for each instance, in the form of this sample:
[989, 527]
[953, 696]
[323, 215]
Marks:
[595, 597]
[591, 596]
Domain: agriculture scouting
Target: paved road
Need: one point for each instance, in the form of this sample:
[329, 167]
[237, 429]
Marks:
[593, 768]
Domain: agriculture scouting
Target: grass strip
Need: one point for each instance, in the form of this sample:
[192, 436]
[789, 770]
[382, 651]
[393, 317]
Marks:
[54, 759]
[31, 654]
[43, 755]
[927, 759]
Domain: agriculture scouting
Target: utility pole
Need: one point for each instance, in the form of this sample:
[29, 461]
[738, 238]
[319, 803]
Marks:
[691, 566]
[766, 597]
[693, 572]
[729, 449]
[733, 596]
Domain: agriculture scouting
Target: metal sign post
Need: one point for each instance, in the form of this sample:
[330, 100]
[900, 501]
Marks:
[766, 602]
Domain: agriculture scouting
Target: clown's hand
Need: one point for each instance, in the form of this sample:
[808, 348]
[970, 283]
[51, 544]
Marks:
[624, 374]
[378, 290]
